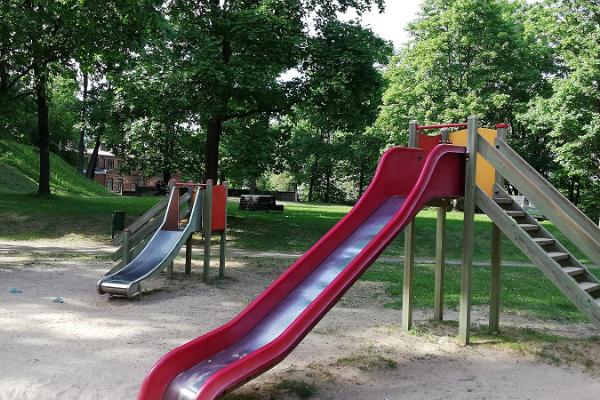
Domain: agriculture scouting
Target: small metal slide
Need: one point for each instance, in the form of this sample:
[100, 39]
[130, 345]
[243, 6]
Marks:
[273, 324]
[160, 251]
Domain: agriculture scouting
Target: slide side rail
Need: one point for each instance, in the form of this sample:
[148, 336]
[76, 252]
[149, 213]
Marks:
[558, 209]
[140, 231]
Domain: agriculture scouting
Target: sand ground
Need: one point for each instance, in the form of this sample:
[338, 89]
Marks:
[93, 347]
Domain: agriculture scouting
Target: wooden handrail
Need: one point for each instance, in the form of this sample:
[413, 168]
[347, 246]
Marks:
[557, 208]
[147, 226]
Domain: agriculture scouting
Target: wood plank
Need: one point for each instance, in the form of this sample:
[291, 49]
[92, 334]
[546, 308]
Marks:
[440, 258]
[584, 233]
[207, 228]
[589, 286]
[409, 250]
[574, 271]
[558, 255]
[529, 227]
[515, 213]
[503, 200]
[466, 282]
[543, 241]
[495, 280]
[409, 263]
[156, 210]
[538, 256]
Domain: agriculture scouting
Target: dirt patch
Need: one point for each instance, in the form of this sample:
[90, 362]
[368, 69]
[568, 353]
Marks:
[93, 347]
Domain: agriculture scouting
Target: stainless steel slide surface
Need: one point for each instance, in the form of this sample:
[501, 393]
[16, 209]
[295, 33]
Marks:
[160, 251]
[188, 383]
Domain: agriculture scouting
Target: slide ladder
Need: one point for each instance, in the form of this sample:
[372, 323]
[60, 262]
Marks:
[545, 251]
[558, 264]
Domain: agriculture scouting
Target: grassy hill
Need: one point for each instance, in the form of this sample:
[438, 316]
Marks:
[77, 205]
[19, 170]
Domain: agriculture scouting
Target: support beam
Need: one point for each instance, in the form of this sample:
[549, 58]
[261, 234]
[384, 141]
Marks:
[440, 250]
[496, 261]
[207, 228]
[223, 240]
[440, 255]
[466, 282]
[409, 251]
[188, 255]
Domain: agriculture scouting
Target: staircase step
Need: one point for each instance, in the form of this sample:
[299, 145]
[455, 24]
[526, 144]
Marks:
[503, 200]
[542, 241]
[515, 213]
[558, 255]
[574, 271]
[529, 227]
[589, 286]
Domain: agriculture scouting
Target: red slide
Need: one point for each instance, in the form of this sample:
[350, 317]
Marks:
[272, 325]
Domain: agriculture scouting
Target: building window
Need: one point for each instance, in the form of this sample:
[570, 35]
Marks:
[119, 185]
[109, 184]
[109, 163]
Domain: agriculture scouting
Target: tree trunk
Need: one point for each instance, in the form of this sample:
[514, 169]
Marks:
[213, 137]
[313, 179]
[83, 122]
[577, 191]
[361, 181]
[41, 83]
[252, 185]
[90, 172]
[328, 184]
[571, 194]
[166, 175]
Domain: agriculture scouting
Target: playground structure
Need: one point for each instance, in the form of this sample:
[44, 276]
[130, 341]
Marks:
[153, 241]
[432, 170]
[485, 177]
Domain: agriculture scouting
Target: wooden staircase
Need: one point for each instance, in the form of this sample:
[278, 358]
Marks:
[545, 251]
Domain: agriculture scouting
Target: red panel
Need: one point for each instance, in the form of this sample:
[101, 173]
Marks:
[219, 208]
[427, 142]
[172, 220]
[402, 171]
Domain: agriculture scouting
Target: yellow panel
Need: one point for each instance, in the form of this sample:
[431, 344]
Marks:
[486, 174]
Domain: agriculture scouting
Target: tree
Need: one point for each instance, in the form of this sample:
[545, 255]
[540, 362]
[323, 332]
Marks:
[38, 35]
[465, 57]
[341, 100]
[569, 116]
[231, 57]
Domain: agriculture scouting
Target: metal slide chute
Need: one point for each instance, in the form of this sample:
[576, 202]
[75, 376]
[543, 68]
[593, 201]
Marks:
[160, 251]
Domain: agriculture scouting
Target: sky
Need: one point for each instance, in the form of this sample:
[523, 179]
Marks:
[391, 25]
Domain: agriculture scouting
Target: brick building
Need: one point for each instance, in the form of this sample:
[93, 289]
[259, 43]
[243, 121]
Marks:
[108, 174]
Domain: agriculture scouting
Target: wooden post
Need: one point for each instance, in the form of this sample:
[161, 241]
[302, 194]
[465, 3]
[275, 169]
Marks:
[126, 235]
[409, 250]
[440, 255]
[440, 251]
[170, 270]
[207, 228]
[188, 255]
[466, 282]
[188, 243]
[496, 261]
[223, 240]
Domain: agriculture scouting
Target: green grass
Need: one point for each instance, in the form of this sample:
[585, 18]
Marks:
[77, 206]
[300, 388]
[19, 168]
[525, 290]
[303, 224]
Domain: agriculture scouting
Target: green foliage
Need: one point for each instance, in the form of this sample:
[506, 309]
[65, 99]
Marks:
[570, 115]
[466, 57]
